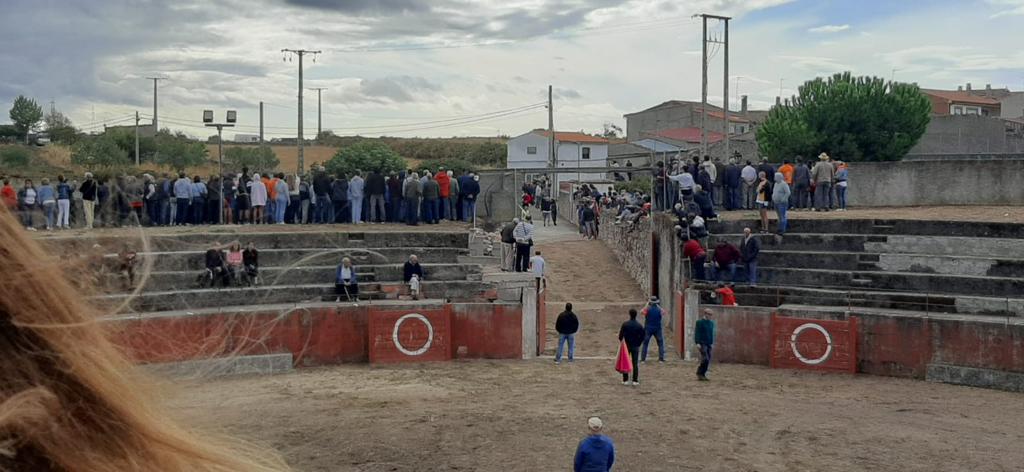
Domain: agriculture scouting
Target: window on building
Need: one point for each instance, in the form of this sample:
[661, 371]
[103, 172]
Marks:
[957, 110]
[531, 149]
[586, 153]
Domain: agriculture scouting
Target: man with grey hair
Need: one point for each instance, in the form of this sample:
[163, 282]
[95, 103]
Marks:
[508, 245]
[596, 452]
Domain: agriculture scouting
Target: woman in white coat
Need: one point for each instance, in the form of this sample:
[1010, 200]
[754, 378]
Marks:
[258, 197]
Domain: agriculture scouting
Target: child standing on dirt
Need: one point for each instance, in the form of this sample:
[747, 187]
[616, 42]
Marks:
[704, 335]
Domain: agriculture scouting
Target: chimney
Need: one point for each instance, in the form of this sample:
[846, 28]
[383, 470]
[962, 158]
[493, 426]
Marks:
[988, 90]
[778, 100]
[968, 86]
[959, 88]
[743, 104]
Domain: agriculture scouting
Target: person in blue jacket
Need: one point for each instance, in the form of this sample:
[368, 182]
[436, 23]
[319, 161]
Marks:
[704, 335]
[596, 452]
[653, 328]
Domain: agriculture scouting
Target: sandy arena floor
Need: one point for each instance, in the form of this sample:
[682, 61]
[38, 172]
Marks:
[529, 415]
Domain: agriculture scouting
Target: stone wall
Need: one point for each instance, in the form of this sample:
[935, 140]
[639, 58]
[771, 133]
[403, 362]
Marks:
[939, 182]
[632, 247]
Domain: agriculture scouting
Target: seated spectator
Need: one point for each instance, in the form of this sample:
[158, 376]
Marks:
[235, 261]
[697, 228]
[703, 201]
[126, 260]
[693, 251]
[725, 258]
[414, 287]
[345, 284]
[216, 269]
[725, 292]
[251, 261]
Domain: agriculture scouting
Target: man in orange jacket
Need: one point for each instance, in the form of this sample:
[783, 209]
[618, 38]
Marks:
[444, 181]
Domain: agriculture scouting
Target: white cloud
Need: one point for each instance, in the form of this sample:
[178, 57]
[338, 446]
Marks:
[829, 28]
[1007, 8]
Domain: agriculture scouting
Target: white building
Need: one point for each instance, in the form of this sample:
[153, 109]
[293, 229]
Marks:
[573, 151]
[247, 138]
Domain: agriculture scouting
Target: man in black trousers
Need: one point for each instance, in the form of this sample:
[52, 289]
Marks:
[633, 333]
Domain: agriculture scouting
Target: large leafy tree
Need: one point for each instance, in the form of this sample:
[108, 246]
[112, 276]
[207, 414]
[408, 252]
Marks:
[60, 128]
[257, 158]
[26, 115]
[851, 118]
[100, 153]
[365, 156]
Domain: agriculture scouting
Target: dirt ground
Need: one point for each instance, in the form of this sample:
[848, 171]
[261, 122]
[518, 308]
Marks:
[518, 415]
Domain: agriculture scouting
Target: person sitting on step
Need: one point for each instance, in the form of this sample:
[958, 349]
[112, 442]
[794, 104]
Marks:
[345, 284]
[251, 261]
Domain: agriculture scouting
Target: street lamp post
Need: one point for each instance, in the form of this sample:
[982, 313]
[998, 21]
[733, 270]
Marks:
[230, 120]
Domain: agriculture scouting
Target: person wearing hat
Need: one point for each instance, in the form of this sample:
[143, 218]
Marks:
[596, 452]
[653, 328]
[821, 175]
[704, 335]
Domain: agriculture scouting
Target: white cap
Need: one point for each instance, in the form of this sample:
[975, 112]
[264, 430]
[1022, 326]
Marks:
[595, 423]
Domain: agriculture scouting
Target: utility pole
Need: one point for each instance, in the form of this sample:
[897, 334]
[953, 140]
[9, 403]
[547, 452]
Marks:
[261, 122]
[136, 138]
[230, 120]
[319, 115]
[704, 80]
[552, 156]
[301, 53]
[156, 125]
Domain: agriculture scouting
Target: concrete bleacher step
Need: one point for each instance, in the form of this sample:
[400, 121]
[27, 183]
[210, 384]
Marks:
[883, 226]
[195, 260]
[894, 262]
[906, 281]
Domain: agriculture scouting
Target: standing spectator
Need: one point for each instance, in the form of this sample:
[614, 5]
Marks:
[89, 190]
[48, 197]
[787, 171]
[282, 198]
[588, 220]
[270, 182]
[453, 197]
[732, 183]
[545, 208]
[431, 199]
[712, 179]
[64, 192]
[258, 196]
[339, 201]
[444, 184]
[749, 251]
[376, 187]
[537, 267]
[151, 199]
[307, 202]
[394, 199]
[704, 335]
[833, 199]
[356, 188]
[653, 328]
[821, 175]
[470, 190]
[198, 200]
[801, 185]
[345, 283]
[28, 198]
[704, 202]
[567, 324]
[242, 201]
[780, 198]
[508, 245]
[764, 196]
[766, 167]
[411, 190]
[660, 184]
[596, 452]
[749, 177]
[10, 196]
[703, 181]
[292, 214]
[163, 200]
[842, 176]
[725, 258]
[183, 197]
[633, 333]
[693, 251]
[322, 197]
[523, 234]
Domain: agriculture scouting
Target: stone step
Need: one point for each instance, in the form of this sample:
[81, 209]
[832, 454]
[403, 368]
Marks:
[196, 260]
[893, 262]
[883, 226]
[900, 281]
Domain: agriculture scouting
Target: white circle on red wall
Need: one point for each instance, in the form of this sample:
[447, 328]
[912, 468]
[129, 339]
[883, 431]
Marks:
[828, 343]
[426, 345]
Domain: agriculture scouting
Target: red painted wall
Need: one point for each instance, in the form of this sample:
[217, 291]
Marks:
[321, 335]
[424, 335]
[743, 336]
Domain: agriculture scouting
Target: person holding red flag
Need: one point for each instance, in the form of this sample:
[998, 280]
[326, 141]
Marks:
[632, 333]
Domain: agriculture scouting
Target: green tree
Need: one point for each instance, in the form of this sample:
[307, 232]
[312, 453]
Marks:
[14, 156]
[99, 153]
[26, 115]
[178, 153]
[60, 128]
[365, 156]
[258, 158]
[641, 185]
[850, 118]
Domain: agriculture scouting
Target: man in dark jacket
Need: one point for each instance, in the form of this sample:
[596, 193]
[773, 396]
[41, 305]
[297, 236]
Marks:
[323, 191]
[801, 184]
[412, 267]
[215, 266]
[733, 186]
[653, 329]
[470, 190]
[376, 187]
[725, 259]
[89, 190]
[704, 336]
[633, 333]
[765, 167]
[567, 324]
[394, 198]
[339, 200]
[431, 197]
[508, 245]
[749, 250]
[596, 452]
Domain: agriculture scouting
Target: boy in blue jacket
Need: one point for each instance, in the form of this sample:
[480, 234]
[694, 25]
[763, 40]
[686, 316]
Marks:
[596, 452]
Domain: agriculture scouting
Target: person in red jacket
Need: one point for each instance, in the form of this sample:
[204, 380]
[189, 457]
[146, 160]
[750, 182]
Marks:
[725, 258]
[728, 296]
[444, 181]
[695, 252]
[10, 197]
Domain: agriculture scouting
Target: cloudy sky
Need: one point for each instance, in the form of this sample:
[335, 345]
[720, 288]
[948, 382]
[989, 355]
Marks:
[461, 67]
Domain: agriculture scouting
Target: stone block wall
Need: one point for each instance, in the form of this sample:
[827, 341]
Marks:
[632, 247]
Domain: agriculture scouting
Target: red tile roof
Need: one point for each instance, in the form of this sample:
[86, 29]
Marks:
[572, 137]
[961, 97]
[689, 135]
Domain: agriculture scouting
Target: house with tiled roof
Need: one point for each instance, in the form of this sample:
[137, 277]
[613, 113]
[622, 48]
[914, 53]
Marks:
[677, 114]
[961, 102]
[572, 151]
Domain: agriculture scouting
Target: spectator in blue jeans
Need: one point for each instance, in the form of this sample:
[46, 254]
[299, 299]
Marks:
[567, 324]
[704, 335]
[652, 328]
[749, 250]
